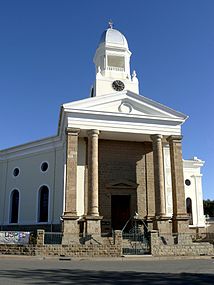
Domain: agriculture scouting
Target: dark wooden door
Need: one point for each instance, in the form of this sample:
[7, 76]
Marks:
[120, 211]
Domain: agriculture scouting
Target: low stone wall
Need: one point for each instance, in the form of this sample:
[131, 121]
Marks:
[180, 246]
[79, 250]
[63, 250]
[111, 247]
[107, 247]
[13, 249]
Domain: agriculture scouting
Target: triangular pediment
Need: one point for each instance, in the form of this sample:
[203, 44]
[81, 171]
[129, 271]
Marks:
[125, 103]
[122, 184]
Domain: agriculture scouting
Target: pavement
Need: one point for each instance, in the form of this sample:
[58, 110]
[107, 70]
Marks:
[131, 270]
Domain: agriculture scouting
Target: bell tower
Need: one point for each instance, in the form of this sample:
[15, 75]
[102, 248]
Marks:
[112, 65]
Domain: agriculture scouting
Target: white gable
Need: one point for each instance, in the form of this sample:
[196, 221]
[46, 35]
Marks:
[123, 112]
[125, 102]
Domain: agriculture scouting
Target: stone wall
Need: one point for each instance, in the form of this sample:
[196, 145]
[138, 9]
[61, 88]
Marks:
[107, 247]
[121, 162]
[181, 245]
[111, 247]
[104, 246]
[12, 249]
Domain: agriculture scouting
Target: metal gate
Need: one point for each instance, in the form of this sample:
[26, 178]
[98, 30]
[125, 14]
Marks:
[136, 242]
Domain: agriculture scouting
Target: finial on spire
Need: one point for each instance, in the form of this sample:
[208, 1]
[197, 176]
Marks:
[110, 23]
[134, 74]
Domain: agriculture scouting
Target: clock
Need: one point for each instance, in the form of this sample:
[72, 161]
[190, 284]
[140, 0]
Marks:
[118, 85]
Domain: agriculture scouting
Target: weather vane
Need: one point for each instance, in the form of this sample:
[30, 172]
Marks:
[110, 24]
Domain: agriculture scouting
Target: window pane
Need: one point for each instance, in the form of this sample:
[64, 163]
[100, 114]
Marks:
[189, 210]
[43, 204]
[116, 61]
[14, 206]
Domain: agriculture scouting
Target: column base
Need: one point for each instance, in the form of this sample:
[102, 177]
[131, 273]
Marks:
[93, 225]
[71, 229]
[163, 225]
[149, 222]
[180, 223]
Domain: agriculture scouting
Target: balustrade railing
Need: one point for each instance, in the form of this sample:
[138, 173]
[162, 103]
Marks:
[114, 68]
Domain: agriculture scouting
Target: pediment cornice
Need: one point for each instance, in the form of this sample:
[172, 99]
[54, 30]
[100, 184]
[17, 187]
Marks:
[122, 184]
[124, 104]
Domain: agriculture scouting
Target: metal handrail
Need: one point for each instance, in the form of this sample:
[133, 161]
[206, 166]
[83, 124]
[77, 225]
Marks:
[135, 219]
[126, 224]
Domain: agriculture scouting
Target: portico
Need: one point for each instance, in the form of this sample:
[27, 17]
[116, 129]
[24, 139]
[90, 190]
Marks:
[143, 183]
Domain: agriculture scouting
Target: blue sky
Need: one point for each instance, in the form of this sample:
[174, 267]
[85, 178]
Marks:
[46, 53]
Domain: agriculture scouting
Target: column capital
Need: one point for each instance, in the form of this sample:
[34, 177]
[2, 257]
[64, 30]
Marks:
[177, 138]
[72, 131]
[93, 132]
[156, 137]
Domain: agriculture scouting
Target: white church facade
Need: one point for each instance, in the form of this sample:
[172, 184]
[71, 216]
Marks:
[115, 154]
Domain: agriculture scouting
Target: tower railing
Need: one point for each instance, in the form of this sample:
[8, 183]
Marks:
[114, 68]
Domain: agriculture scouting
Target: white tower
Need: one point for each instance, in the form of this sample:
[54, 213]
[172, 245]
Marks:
[112, 62]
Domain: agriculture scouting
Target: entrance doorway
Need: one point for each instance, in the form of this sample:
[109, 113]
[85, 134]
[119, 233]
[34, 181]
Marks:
[120, 211]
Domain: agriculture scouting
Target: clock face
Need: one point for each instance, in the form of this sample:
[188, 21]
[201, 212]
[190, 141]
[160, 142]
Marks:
[118, 85]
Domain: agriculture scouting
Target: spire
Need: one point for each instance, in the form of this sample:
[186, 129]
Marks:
[110, 23]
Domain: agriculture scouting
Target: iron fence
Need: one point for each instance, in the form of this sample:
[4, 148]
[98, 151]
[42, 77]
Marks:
[135, 243]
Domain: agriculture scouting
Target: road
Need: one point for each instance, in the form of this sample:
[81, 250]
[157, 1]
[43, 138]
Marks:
[29, 270]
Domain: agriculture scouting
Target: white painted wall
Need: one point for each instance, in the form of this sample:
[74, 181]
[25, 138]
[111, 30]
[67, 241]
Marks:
[168, 181]
[28, 182]
[192, 171]
[3, 191]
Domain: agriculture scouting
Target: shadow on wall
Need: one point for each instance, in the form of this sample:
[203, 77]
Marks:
[69, 276]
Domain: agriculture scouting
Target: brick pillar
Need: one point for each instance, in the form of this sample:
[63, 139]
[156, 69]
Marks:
[71, 172]
[70, 225]
[180, 218]
[160, 207]
[155, 243]
[118, 242]
[40, 237]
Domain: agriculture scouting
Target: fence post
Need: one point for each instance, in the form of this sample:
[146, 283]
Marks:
[40, 237]
[154, 242]
[117, 237]
[118, 242]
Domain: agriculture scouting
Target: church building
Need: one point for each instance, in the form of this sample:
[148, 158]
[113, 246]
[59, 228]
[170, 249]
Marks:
[117, 156]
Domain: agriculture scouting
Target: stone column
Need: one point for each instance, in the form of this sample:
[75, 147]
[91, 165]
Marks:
[70, 226]
[93, 218]
[93, 172]
[180, 218]
[158, 176]
[162, 223]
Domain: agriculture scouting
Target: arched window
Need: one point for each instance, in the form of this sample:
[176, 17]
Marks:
[43, 204]
[189, 209]
[14, 206]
